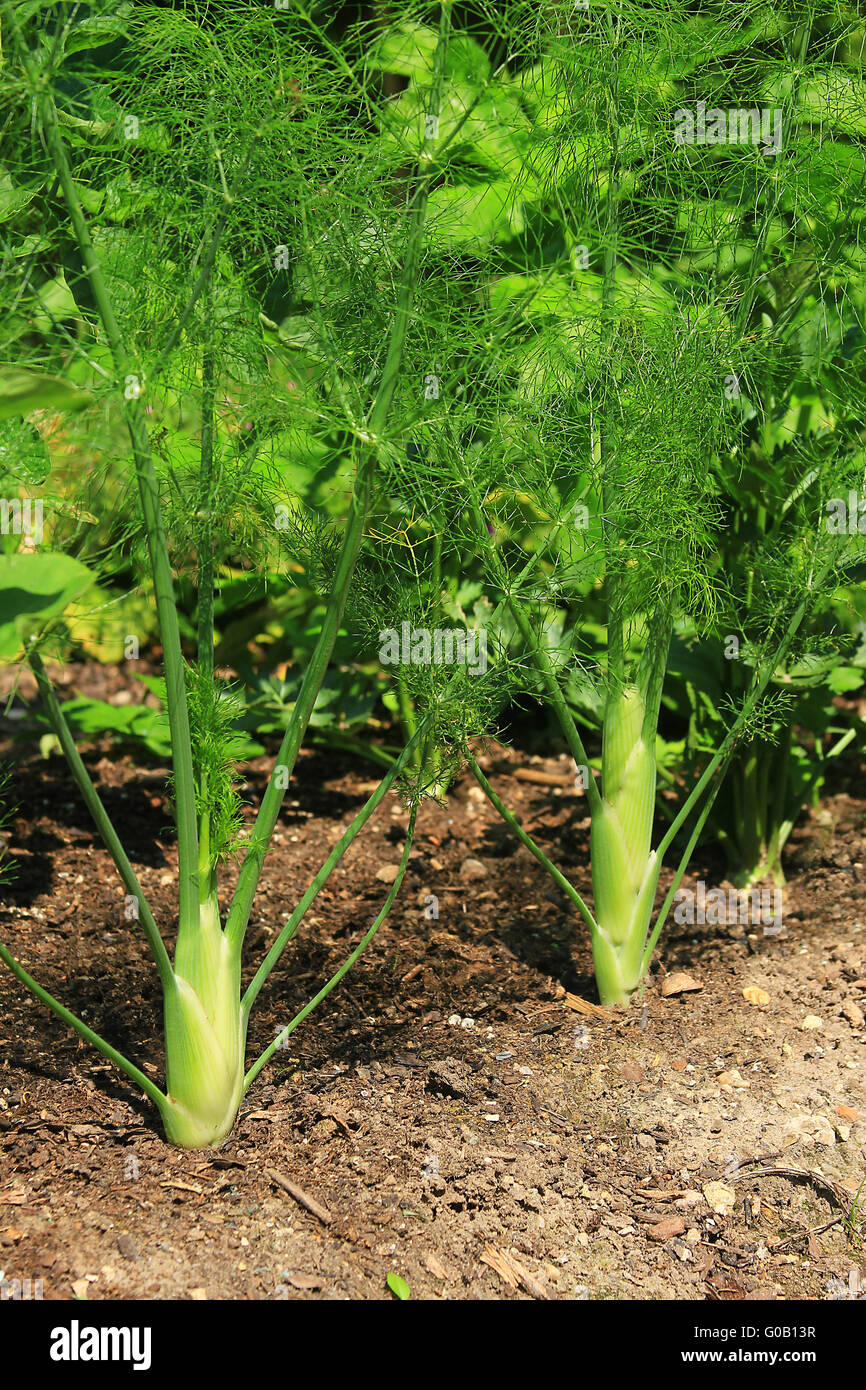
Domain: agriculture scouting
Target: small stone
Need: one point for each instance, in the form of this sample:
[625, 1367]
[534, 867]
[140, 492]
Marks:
[450, 1077]
[753, 994]
[732, 1081]
[721, 1198]
[811, 1023]
[689, 1199]
[388, 873]
[679, 983]
[632, 1071]
[854, 1014]
[127, 1246]
[811, 1127]
[473, 869]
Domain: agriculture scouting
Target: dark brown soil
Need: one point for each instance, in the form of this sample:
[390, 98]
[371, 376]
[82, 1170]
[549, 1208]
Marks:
[454, 1111]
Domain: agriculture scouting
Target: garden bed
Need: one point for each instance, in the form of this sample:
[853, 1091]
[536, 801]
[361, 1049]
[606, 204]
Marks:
[457, 1112]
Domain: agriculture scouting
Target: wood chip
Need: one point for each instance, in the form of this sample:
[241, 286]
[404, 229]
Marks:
[846, 1112]
[435, 1267]
[541, 779]
[511, 1271]
[632, 1071]
[582, 1006]
[679, 983]
[667, 1229]
[182, 1186]
[301, 1197]
[16, 1198]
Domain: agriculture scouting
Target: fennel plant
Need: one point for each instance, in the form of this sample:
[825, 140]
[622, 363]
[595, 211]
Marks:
[614, 405]
[235, 149]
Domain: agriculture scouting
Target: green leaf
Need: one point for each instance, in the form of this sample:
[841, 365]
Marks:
[399, 1288]
[485, 212]
[91, 717]
[844, 679]
[56, 303]
[22, 391]
[833, 98]
[34, 588]
[14, 198]
[97, 30]
[408, 49]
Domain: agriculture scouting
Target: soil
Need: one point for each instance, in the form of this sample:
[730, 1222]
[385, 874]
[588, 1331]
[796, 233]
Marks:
[458, 1112]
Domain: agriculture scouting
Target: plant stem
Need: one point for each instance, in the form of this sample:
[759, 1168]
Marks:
[327, 868]
[514, 824]
[133, 408]
[347, 963]
[93, 802]
[150, 1090]
[352, 537]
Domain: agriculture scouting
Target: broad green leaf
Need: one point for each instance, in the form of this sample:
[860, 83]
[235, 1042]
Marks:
[844, 679]
[92, 717]
[399, 1288]
[97, 30]
[34, 588]
[13, 197]
[30, 246]
[835, 99]
[485, 212]
[55, 303]
[22, 390]
[408, 50]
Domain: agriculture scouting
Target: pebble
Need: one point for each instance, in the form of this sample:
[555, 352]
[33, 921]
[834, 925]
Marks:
[472, 869]
[388, 873]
